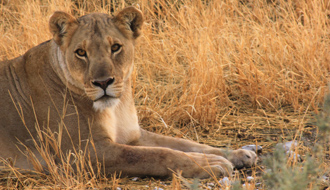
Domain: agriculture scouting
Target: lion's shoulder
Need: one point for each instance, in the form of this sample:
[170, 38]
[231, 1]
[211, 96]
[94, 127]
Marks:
[37, 52]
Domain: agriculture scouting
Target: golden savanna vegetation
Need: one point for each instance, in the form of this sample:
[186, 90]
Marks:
[226, 73]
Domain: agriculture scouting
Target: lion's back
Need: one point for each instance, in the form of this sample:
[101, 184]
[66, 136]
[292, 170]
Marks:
[16, 111]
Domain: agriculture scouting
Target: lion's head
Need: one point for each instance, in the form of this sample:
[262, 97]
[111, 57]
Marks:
[95, 52]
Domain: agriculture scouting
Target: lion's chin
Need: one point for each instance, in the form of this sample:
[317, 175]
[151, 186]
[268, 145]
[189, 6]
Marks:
[105, 102]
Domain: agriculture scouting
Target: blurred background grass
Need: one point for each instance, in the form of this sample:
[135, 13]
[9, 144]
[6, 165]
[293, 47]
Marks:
[222, 72]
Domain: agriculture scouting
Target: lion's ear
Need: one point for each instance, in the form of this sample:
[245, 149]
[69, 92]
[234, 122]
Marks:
[61, 25]
[129, 21]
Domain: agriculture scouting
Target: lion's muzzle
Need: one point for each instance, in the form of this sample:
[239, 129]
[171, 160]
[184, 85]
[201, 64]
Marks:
[104, 91]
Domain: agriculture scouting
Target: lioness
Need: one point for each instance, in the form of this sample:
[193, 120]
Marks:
[80, 79]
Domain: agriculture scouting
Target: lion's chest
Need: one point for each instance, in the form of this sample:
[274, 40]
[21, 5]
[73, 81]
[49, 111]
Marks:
[121, 127]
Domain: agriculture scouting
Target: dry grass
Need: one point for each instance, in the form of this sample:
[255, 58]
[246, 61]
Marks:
[225, 73]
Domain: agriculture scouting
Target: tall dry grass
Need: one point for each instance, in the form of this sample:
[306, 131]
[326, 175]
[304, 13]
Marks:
[204, 58]
[200, 63]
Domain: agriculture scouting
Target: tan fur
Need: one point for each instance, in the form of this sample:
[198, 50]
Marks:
[56, 82]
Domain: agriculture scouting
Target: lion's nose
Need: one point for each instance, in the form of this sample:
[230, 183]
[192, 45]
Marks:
[104, 84]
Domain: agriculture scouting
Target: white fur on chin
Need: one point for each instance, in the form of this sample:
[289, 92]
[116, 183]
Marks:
[101, 105]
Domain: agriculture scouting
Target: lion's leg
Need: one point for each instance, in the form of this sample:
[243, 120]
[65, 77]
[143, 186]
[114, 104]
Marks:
[240, 158]
[157, 161]
[156, 140]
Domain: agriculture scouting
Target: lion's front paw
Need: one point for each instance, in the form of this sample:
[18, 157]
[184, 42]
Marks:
[242, 158]
[206, 165]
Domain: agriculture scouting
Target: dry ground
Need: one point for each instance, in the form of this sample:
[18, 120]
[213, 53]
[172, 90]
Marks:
[222, 72]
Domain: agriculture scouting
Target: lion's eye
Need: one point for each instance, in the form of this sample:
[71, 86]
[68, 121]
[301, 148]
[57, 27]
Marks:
[81, 52]
[115, 48]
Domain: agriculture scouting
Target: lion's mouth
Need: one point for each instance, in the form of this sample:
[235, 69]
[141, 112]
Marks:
[105, 97]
